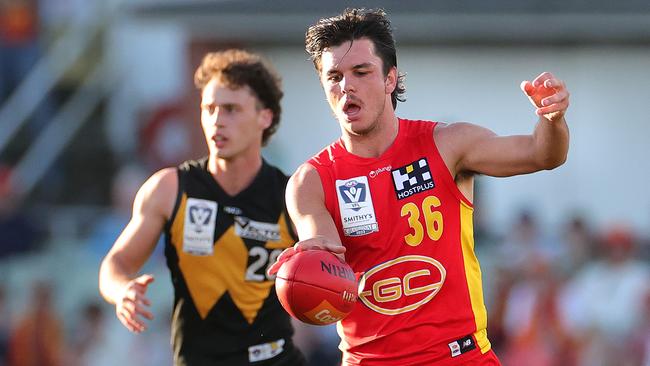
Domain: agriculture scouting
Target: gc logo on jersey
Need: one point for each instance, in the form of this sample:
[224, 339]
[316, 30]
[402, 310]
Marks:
[355, 204]
[198, 229]
[402, 284]
[413, 178]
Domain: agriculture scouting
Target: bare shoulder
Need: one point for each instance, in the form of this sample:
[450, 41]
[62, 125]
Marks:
[460, 131]
[304, 172]
[456, 140]
[158, 193]
[304, 189]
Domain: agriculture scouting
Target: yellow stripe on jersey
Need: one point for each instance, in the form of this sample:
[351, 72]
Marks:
[209, 277]
[473, 273]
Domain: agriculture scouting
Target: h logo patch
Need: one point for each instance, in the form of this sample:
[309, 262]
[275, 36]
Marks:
[412, 178]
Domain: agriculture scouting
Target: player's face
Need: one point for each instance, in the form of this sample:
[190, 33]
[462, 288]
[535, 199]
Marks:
[356, 88]
[232, 120]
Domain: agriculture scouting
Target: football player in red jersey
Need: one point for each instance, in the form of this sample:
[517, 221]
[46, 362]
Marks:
[393, 197]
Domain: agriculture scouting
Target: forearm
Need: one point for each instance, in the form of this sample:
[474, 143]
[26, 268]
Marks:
[551, 142]
[113, 278]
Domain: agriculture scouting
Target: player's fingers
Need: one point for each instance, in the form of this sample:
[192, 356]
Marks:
[144, 300]
[286, 254]
[558, 97]
[274, 268]
[283, 257]
[129, 321]
[335, 248]
[555, 108]
[144, 280]
[319, 242]
[134, 311]
[527, 87]
[554, 84]
[539, 80]
[141, 310]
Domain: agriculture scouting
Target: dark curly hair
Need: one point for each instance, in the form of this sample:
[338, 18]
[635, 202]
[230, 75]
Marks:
[354, 24]
[237, 68]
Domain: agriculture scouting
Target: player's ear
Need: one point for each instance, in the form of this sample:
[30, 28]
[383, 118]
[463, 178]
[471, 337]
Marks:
[265, 118]
[391, 80]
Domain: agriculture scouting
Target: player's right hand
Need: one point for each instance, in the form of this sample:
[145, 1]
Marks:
[131, 306]
[315, 243]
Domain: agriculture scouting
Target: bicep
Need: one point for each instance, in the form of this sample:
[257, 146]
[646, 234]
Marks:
[479, 150]
[306, 205]
[151, 209]
[503, 156]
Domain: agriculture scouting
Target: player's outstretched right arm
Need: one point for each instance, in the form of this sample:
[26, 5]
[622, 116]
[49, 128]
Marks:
[314, 225]
[119, 283]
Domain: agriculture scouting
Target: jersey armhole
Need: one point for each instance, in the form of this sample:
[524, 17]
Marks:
[177, 203]
[447, 178]
[325, 181]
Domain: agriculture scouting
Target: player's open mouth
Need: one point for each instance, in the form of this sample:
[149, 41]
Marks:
[351, 109]
[219, 140]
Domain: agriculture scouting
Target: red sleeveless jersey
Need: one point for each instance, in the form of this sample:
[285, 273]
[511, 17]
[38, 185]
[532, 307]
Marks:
[408, 228]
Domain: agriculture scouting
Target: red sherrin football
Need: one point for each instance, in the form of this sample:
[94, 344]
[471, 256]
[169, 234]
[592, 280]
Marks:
[315, 287]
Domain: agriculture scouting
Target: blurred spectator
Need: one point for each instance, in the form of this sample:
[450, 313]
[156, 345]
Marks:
[535, 332]
[639, 348]
[4, 328]
[524, 242]
[20, 231]
[38, 340]
[604, 303]
[94, 343]
[578, 245]
[20, 49]
[88, 335]
[18, 42]
[124, 187]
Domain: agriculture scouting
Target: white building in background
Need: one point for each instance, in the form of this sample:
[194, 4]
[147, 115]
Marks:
[462, 64]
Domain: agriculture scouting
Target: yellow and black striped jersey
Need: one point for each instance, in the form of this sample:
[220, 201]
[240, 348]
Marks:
[218, 248]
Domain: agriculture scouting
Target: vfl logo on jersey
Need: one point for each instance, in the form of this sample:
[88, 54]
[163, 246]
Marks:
[256, 230]
[355, 204]
[198, 229]
[402, 284]
[353, 193]
[413, 178]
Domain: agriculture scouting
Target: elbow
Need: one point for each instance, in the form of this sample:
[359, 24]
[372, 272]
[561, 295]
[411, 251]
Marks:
[554, 161]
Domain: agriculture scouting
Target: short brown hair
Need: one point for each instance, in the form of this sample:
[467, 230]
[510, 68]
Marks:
[236, 68]
[351, 25]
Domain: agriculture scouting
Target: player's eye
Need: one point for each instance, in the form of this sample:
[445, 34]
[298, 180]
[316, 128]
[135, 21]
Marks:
[334, 78]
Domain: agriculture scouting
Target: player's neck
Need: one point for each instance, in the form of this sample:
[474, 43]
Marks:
[235, 174]
[375, 142]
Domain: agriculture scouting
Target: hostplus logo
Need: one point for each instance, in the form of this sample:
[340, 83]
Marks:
[412, 179]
